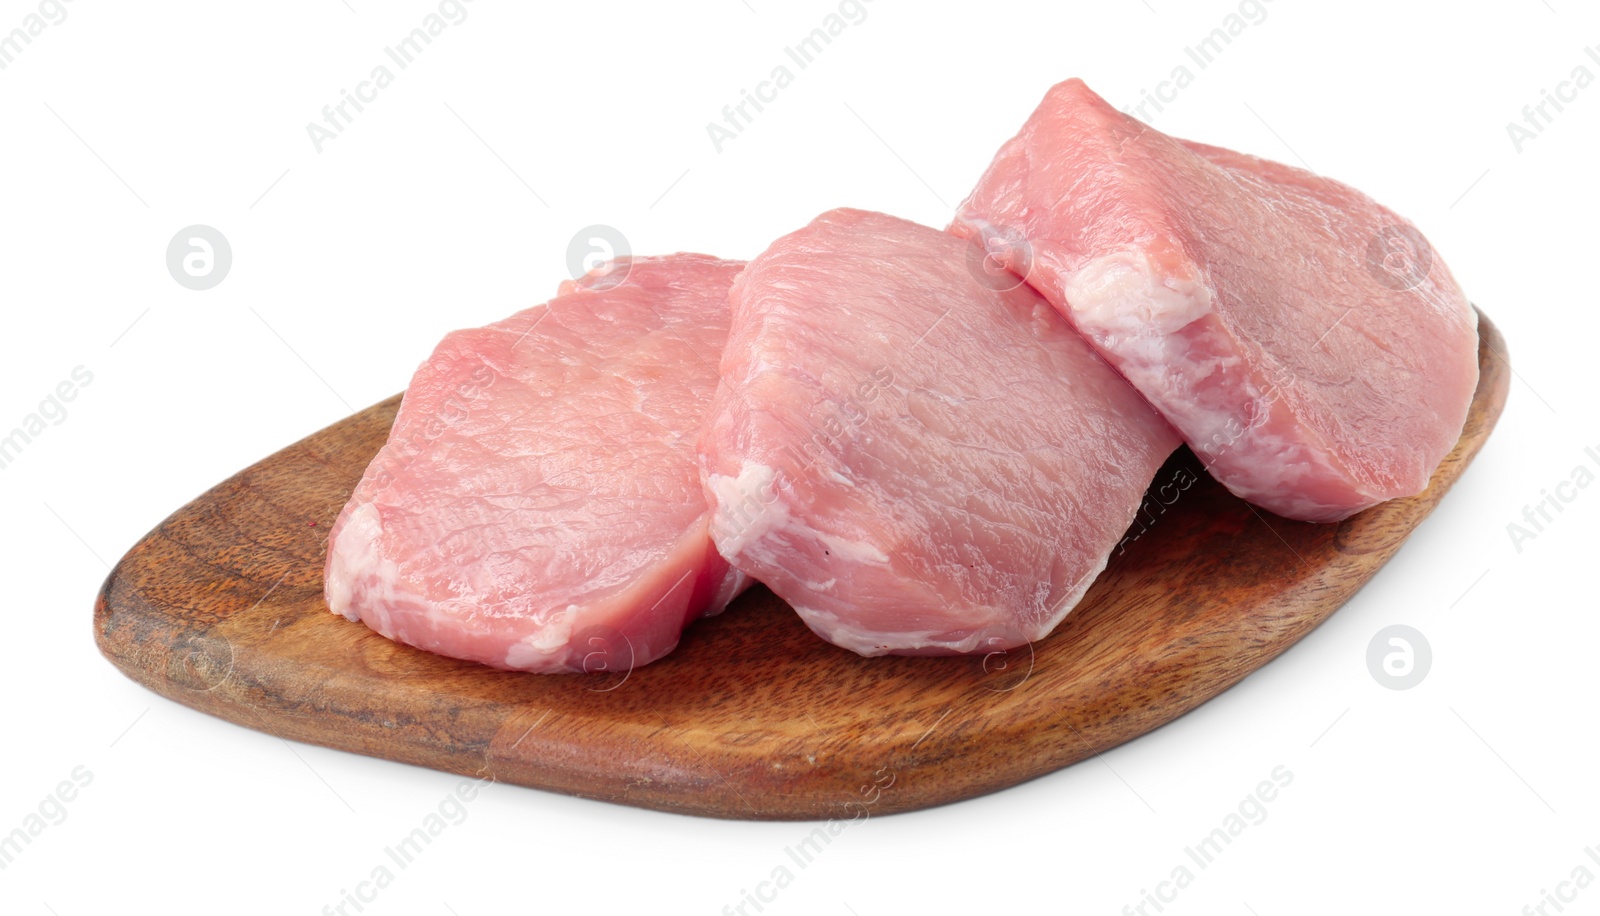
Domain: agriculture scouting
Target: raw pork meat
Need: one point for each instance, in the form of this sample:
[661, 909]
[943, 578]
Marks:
[918, 462]
[538, 505]
[1306, 341]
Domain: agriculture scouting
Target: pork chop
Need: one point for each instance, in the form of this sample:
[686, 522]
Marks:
[1311, 347]
[538, 506]
[915, 460]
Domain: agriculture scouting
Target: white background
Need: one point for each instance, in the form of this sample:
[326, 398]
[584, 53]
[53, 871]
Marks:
[450, 202]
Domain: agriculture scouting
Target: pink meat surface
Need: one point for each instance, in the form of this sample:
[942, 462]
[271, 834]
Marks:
[917, 462]
[1306, 341]
[538, 506]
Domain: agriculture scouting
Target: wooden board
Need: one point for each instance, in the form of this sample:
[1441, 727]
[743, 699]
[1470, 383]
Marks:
[220, 608]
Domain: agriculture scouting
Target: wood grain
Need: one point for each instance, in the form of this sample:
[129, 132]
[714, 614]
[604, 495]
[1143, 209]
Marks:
[220, 608]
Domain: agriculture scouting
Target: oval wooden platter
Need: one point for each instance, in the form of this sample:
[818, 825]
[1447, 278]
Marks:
[220, 608]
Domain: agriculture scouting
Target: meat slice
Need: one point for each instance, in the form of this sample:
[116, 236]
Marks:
[917, 461]
[538, 505]
[1306, 341]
